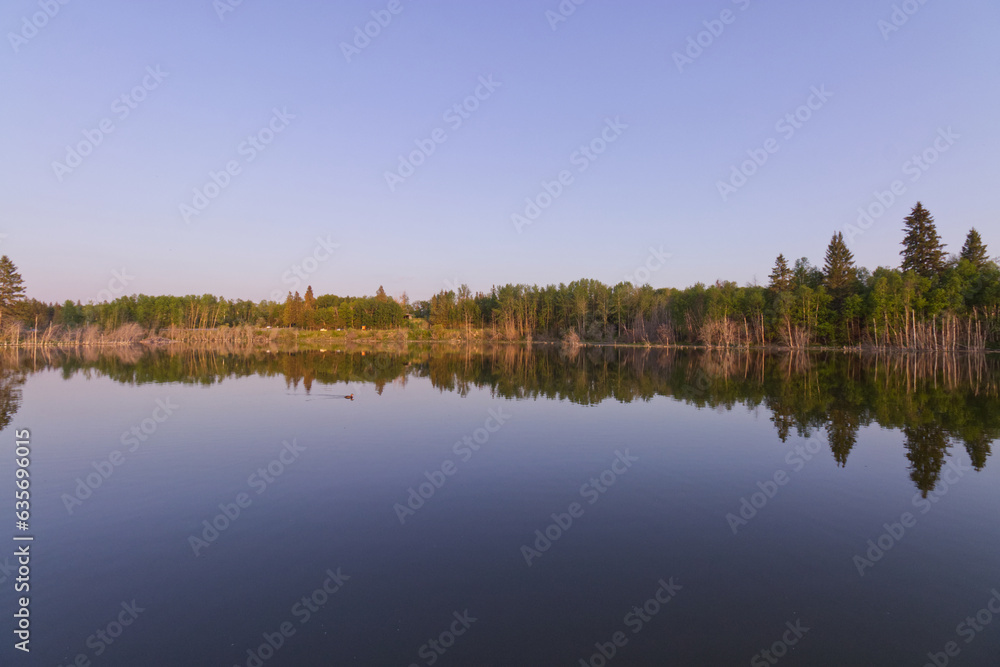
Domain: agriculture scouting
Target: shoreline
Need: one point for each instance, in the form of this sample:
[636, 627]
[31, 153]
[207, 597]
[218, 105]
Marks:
[307, 340]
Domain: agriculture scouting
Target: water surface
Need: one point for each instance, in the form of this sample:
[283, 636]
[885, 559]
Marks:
[517, 507]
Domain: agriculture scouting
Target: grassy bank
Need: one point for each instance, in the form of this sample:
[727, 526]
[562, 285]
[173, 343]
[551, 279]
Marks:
[251, 338]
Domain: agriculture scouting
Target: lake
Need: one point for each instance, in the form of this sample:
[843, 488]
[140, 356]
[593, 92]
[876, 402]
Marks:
[506, 506]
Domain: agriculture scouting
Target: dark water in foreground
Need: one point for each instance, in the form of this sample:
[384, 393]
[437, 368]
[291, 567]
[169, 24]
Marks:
[505, 508]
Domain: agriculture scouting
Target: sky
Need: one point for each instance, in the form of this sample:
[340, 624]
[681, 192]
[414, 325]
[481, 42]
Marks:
[246, 148]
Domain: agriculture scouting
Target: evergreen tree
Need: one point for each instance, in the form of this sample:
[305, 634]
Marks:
[922, 250]
[781, 275]
[380, 295]
[299, 311]
[310, 316]
[974, 249]
[839, 272]
[11, 287]
[288, 312]
[293, 313]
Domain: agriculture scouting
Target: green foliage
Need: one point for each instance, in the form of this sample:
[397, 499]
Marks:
[806, 274]
[294, 313]
[781, 275]
[71, 314]
[11, 287]
[923, 252]
[974, 250]
[839, 273]
[939, 306]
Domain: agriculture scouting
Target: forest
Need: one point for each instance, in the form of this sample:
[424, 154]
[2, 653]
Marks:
[932, 300]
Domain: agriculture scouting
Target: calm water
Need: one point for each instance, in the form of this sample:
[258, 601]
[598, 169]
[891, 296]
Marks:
[507, 508]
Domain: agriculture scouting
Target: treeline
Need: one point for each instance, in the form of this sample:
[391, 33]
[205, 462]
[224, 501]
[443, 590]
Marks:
[931, 301]
[155, 313]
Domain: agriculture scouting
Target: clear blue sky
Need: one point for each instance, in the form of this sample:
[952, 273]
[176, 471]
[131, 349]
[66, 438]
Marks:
[323, 175]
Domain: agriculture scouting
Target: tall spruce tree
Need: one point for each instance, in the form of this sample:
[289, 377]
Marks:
[11, 287]
[974, 249]
[294, 311]
[839, 272]
[781, 275]
[922, 250]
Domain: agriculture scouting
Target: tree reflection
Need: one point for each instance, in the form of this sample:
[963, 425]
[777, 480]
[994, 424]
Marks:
[11, 380]
[932, 400]
[842, 433]
[926, 447]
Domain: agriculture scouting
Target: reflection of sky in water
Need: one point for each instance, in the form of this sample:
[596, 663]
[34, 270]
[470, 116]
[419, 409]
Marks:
[333, 506]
